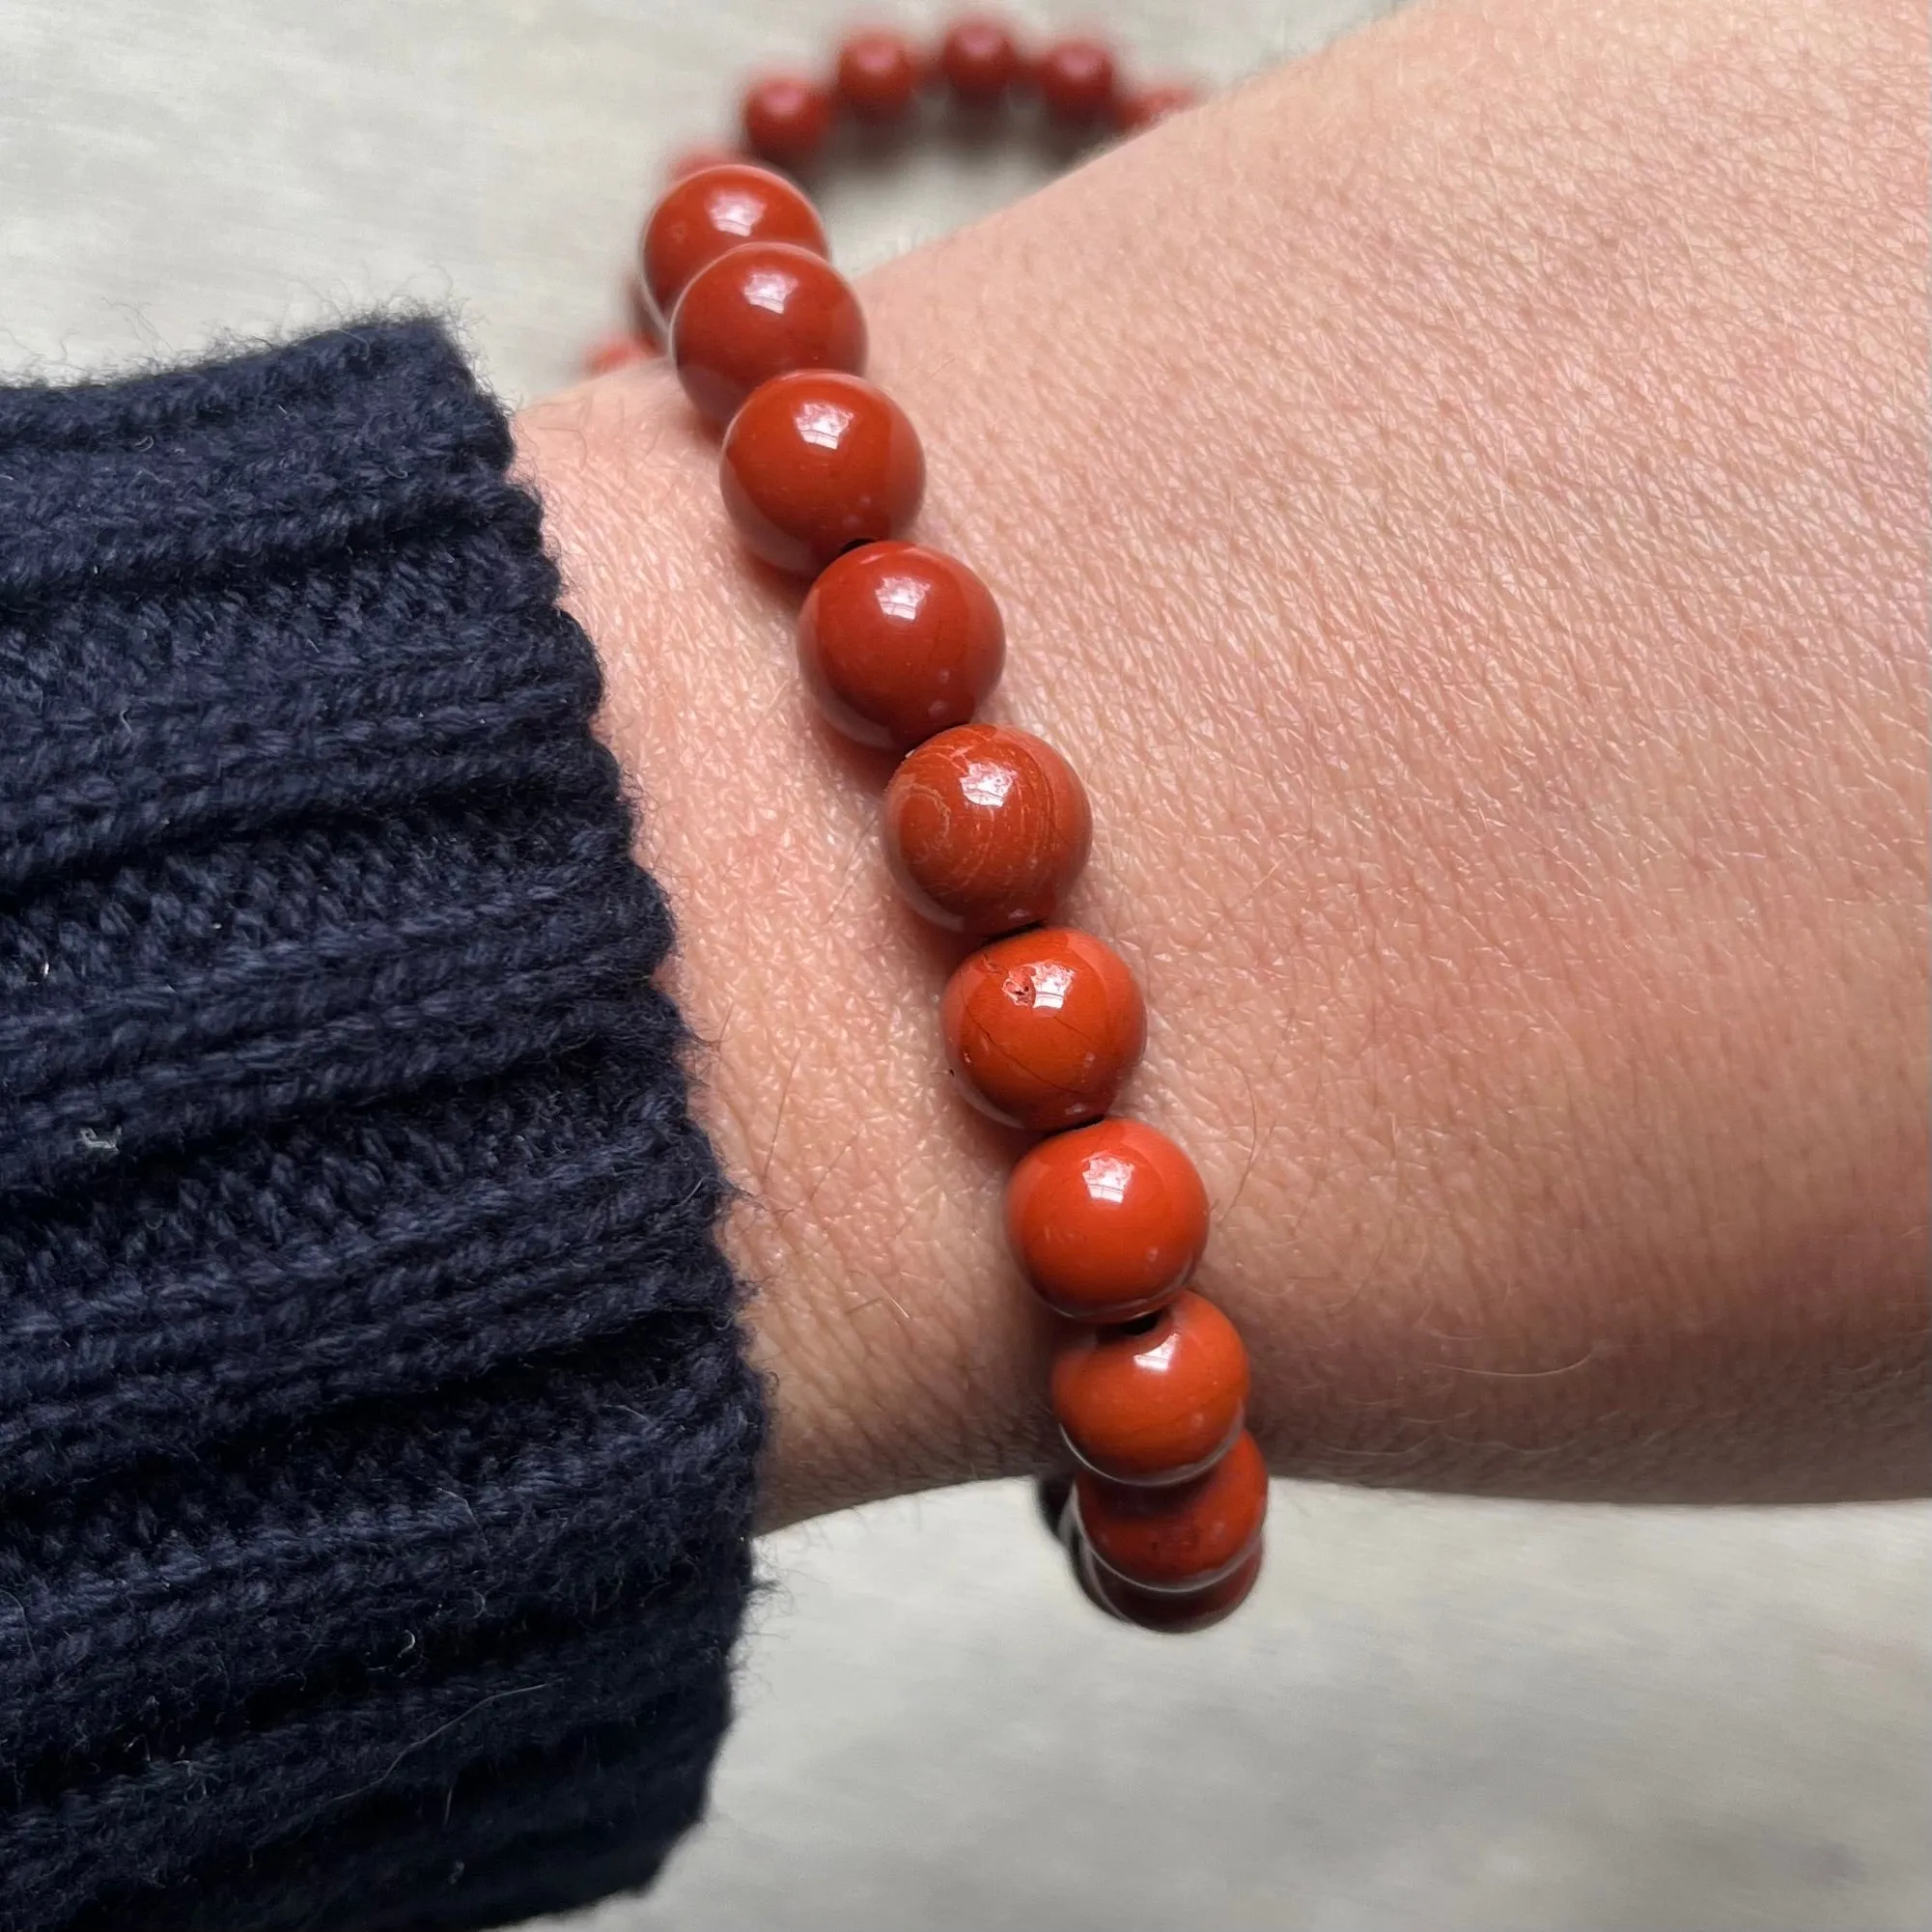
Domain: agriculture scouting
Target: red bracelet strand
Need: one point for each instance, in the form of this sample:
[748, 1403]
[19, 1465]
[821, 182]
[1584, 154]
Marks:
[879, 76]
[986, 827]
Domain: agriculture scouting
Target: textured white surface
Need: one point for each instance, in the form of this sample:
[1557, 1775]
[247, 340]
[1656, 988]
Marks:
[1438, 1714]
[1436, 1717]
[172, 173]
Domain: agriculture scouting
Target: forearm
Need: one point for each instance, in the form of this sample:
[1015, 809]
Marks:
[1460, 504]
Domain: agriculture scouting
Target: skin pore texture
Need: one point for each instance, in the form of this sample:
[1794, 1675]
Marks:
[1461, 504]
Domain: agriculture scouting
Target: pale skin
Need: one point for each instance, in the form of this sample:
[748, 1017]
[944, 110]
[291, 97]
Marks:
[1460, 503]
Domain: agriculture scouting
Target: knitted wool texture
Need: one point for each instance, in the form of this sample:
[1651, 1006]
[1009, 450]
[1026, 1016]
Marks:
[376, 1439]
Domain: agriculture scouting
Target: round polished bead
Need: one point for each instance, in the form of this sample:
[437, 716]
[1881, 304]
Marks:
[897, 641]
[980, 59]
[786, 119]
[714, 210]
[1171, 1613]
[1183, 1536]
[1108, 1222]
[986, 829]
[878, 75]
[1158, 1401]
[618, 350]
[763, 310]
[1042, 1029]
[816, 462]
[1077, 80]
[1145, 105]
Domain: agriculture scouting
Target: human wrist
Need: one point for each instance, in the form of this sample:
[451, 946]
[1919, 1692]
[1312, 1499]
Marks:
[1363, 667]
[863, 1223]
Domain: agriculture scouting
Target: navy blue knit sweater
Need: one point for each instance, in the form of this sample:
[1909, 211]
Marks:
[376, 1439]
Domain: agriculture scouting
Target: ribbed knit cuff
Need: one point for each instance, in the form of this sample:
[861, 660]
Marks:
[375, 1438]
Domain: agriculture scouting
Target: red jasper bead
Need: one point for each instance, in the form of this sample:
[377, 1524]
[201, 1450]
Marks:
[1172, 1613]
[1148, 104]
[1159, 1401]
[1042, 1029]
[986, 827]
[617, 351]
[816, 462]
[1106, 1222]
[878, 75]
[897, 641]
[763, 310]
[1183, 1536]
[786, 119]
[1077, 80]
[714, 211]
[980, 59]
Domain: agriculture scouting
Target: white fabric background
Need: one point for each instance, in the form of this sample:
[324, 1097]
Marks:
[1440, 1715]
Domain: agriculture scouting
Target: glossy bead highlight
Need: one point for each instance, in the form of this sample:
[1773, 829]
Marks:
[1182, 1537]
[815, 462]
[1077, 80]
[897, 641]
[986, 829]
[1157, 1402]
[1106, 1222]
[786, 119]
[878, 75]
[718, 209]
[980, 60]
[1042, 1029]
[764, 309]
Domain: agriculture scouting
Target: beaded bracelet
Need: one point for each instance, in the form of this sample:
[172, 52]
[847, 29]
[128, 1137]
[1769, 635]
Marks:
[986, 829]
[787, 120]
